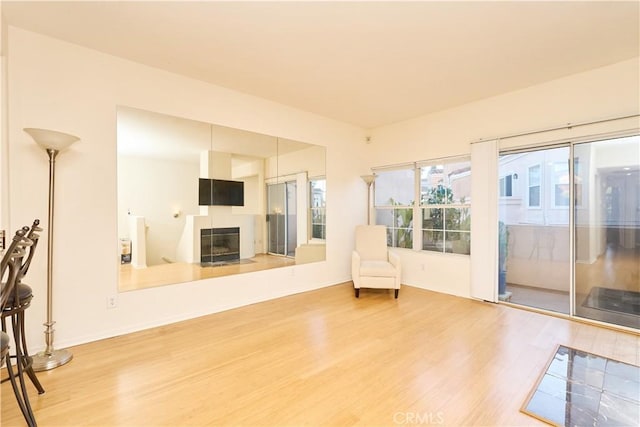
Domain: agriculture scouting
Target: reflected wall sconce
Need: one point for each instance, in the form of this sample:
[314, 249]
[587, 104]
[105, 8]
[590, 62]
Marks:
[53, 142]
[369, 180]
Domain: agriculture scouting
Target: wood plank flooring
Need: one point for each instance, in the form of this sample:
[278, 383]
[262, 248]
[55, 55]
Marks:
[319, 358]
[617, 268]
[131, 279]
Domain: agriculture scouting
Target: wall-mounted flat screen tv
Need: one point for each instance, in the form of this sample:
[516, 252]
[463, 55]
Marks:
[220, 192]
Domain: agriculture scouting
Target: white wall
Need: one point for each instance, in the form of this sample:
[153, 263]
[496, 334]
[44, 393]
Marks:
[252, 173]
[311, 160]
[601, 93]
[156, 189]
[4, 149]
[77, 92]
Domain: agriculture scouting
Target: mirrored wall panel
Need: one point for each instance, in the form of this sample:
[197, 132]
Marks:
[198, 200]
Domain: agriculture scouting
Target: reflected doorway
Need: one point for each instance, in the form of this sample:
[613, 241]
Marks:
[282, 218]
[607, 271]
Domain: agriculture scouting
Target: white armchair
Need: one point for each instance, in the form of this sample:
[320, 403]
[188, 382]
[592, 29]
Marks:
[373, 265]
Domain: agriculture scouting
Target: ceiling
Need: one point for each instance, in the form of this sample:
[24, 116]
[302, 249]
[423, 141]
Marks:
[148, 134]
[365, 63]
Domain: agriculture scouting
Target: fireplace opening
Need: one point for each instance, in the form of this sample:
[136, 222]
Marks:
[219, 245]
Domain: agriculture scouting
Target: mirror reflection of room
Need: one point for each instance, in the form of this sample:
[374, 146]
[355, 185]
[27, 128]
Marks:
[197, 200]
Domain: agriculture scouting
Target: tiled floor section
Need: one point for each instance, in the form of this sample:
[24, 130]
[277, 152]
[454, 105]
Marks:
[580, 389]
[621, 307]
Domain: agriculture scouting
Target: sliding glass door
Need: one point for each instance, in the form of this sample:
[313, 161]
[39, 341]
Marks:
[607, 231]
[569, 229]
[282, 218]
[534, 233]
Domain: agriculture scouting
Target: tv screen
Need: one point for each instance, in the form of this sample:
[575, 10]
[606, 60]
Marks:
[220, 192]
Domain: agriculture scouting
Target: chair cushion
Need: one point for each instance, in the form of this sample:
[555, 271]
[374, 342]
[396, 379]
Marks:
[377, 268]
[4, 341]
[371, 242]
[24, 292]
[4, 347]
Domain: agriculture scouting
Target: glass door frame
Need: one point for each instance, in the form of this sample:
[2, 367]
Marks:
[544, 185]
[285, 212]
[572, 231]
[571, 144]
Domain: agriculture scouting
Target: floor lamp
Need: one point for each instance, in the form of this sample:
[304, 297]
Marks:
[53, 142]
[369, 179]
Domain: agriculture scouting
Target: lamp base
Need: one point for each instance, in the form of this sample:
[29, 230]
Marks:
[45, 362]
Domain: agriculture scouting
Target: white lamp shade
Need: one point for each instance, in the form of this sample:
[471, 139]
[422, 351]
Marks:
[368, 179]
[51, 139]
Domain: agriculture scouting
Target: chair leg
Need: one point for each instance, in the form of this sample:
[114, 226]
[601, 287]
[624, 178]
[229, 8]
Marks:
[357, 292]
[22, 395]
[28, 361]
[32, 374]
[16, 391]
[396, 293]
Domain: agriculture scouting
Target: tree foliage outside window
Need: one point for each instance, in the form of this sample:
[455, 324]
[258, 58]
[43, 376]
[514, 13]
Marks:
[446, 208]
[394, 195]
[443, 202]
[401, 234]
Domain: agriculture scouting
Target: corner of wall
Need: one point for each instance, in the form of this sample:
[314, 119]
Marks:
[4, 111]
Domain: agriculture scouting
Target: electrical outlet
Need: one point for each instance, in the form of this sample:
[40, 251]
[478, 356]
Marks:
[2, 241]
[422, 267]
[112, 301]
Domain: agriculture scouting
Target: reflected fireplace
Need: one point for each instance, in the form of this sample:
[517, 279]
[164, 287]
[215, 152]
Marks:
[219, 245]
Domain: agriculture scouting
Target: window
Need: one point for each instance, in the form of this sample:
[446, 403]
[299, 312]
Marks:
[561, 184]
[438, 194]
[445, 202]
[506, 186]
[534, 186]
[394, 199]
[534, 242]
[318, 207]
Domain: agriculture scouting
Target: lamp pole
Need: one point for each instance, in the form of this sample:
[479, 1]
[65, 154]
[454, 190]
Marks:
[369, 179]
[53, 142]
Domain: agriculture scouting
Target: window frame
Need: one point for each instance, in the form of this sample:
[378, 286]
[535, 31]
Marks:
[539, 185]
[554, 186]
[446, 207]
[502, 189]
[322, 210]
[417, 208]
[393, 232]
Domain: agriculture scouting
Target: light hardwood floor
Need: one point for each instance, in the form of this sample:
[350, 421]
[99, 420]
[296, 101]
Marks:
[617, 268]
[131, 279]
[320, 358]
